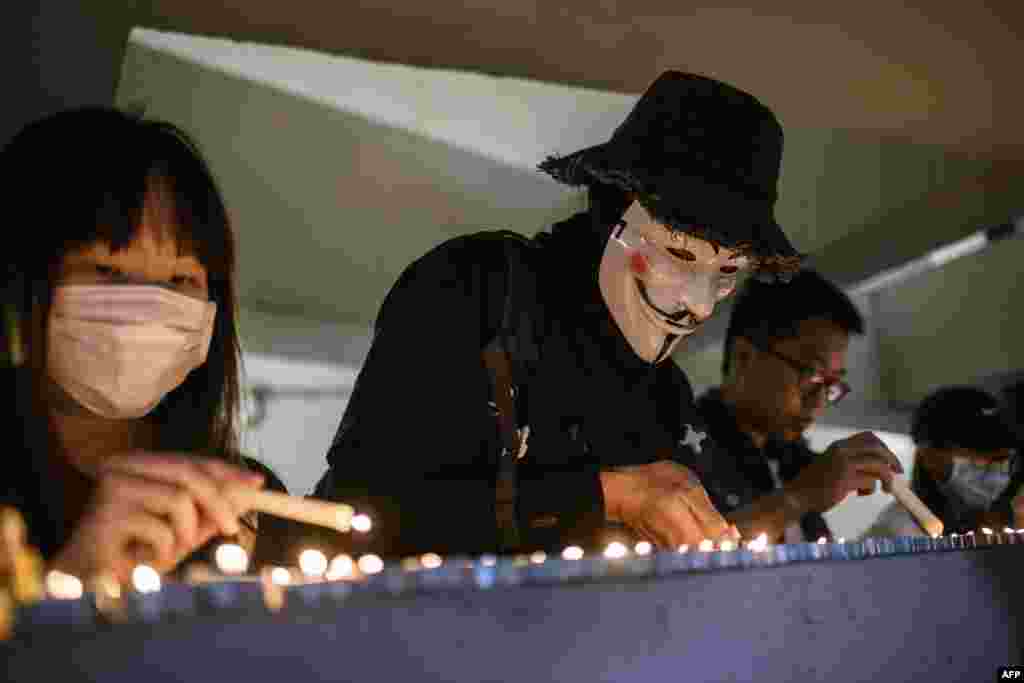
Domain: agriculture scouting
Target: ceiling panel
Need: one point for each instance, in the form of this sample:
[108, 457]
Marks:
[944, 73]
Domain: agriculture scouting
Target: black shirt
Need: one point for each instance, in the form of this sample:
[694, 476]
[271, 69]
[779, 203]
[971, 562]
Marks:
[742, 472]
[418, 444]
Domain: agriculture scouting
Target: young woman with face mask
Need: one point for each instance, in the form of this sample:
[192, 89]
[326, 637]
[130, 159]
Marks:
[965, 463]
[125, 380]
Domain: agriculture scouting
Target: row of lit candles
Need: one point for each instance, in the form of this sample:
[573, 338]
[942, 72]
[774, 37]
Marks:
[233, 561]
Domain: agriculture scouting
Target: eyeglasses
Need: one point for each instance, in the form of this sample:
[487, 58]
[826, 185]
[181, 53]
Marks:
[811, 378]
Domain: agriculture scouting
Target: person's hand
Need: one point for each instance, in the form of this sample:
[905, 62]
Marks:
[155, 508]
[665, 503]
[852, 464]
[1017, 505]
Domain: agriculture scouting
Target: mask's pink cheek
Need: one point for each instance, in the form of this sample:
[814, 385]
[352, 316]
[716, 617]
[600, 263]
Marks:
[638, 264]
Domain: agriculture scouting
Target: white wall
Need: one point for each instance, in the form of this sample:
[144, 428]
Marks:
[297, 430]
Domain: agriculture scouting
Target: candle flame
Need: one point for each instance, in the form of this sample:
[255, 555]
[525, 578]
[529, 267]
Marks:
[313, 563]
[63, 586]
[986, 530]
[231, 558]
[615, 550]
[684, 548]
[362, 523]
[145, 579]
[643, 548]
[572, 552]
[706, 545]
[431, 560]
[280, 576]
[539, 557]
[822, 541]
[758, 544]
[370, 564]
[341, 567]
[727, 545]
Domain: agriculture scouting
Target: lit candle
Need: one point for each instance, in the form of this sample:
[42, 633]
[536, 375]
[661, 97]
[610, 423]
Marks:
[707, 545]
[683, 548]
[643, 548]
[370, 564]
[727, 546]
[615, 550]
[280, 576]
[362, 523]
[759, 544]
[145, 579]
[822, 541]
[488, 560]
[63, 586]
[573, 552]
[431, 560]
[231, 558]
[341, 567]
[313, 563]
[538, 557]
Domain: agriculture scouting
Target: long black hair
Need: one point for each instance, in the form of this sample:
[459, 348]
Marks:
[80, 177]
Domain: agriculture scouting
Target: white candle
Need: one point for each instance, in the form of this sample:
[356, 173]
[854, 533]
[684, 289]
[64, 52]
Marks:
[908, 499]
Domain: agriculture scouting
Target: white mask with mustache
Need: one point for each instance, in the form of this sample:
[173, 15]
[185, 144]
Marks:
[660, 287]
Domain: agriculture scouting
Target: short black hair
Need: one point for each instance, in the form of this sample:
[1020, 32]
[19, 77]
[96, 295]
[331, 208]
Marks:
[769, 311]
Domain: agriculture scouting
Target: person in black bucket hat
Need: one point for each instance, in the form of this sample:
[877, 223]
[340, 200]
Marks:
[965, 464]
[517, 394]
[702, 158]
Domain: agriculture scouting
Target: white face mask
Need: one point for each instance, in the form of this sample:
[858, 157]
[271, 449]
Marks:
[978, 486]
[119, 349]
[655, 297]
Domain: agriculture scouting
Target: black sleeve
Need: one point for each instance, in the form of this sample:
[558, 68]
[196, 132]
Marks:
[417, 447]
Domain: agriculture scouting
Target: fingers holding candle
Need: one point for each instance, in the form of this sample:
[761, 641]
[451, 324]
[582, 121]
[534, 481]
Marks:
[337, 516]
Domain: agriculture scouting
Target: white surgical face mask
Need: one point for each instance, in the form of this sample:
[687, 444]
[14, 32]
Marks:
[978, 486]
[655, 296]
[119, 349]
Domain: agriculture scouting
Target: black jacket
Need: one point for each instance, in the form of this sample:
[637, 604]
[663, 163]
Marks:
[418, 444]
[740, 473]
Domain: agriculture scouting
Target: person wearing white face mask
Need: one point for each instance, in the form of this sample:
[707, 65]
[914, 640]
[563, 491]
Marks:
[520, 395]
[125, 374]
[964, 462]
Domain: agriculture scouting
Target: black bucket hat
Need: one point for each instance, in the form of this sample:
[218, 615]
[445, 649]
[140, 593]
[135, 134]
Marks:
[703, 158]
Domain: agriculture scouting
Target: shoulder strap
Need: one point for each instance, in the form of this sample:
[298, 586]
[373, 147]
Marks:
[512, 354]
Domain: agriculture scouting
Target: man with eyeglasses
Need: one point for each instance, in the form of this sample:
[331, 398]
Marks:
[783, 365]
